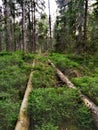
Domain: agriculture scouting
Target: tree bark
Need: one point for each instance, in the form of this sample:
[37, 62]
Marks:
[7, 26]
[14, 36]
[85, 99]
[85, 23]
[34, 27]
[79, 27]
[23, 119]
[62, 77]
[0, 28]
[50, 32]
[23, 27]
[30, 29]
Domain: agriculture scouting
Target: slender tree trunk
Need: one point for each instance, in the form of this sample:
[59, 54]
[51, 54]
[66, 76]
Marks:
[34, 27]
[0, 40]
[32, 20]
[7, 26]
[23, 27]
[0, 28]
[85, 22]
[30, 30]
[14, 32]
[50, 32]
[79, 28]
[14, 36]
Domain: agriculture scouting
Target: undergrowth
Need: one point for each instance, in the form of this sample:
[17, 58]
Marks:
[14, 73]
[82, 70]
[43, 76]
[49, 107]
[88, 86]
[68, 62]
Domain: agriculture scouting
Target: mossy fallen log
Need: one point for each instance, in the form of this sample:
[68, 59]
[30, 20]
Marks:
[93, 107]
[23, 119]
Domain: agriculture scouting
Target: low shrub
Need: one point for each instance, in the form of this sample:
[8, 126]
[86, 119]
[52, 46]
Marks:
[89, 86]
[53, 106]
[43, 76]
[8, 114]
[14, 73]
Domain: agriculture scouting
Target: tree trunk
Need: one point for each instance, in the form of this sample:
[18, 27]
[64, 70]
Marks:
[7, 26]
[85, 99]
[14, 33]
[0, 28]
[50, 32]
[79, 27]
[23, 119]
[30, 30]
[23, 27]
[14, 36]
[85, 23]
[34, 27]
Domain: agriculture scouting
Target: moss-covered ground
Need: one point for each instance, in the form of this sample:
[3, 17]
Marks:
[52, 106]
[55, 107]
[14, 73]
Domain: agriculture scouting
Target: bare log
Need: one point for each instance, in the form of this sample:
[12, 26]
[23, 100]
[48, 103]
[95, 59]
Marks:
[61, 76]
[93, 107]
[23, 119]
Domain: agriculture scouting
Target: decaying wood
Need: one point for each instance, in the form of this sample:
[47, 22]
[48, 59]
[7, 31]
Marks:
[23, 120]
[61, 76]
[85, 99]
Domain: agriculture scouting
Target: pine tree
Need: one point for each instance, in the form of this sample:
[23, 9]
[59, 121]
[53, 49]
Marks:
[7, 25]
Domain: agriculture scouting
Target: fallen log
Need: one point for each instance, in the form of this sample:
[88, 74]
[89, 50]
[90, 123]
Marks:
[61, 76]
[93, 107]
[23, 119]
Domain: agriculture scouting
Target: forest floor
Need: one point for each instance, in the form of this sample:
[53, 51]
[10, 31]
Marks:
[51, 105]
